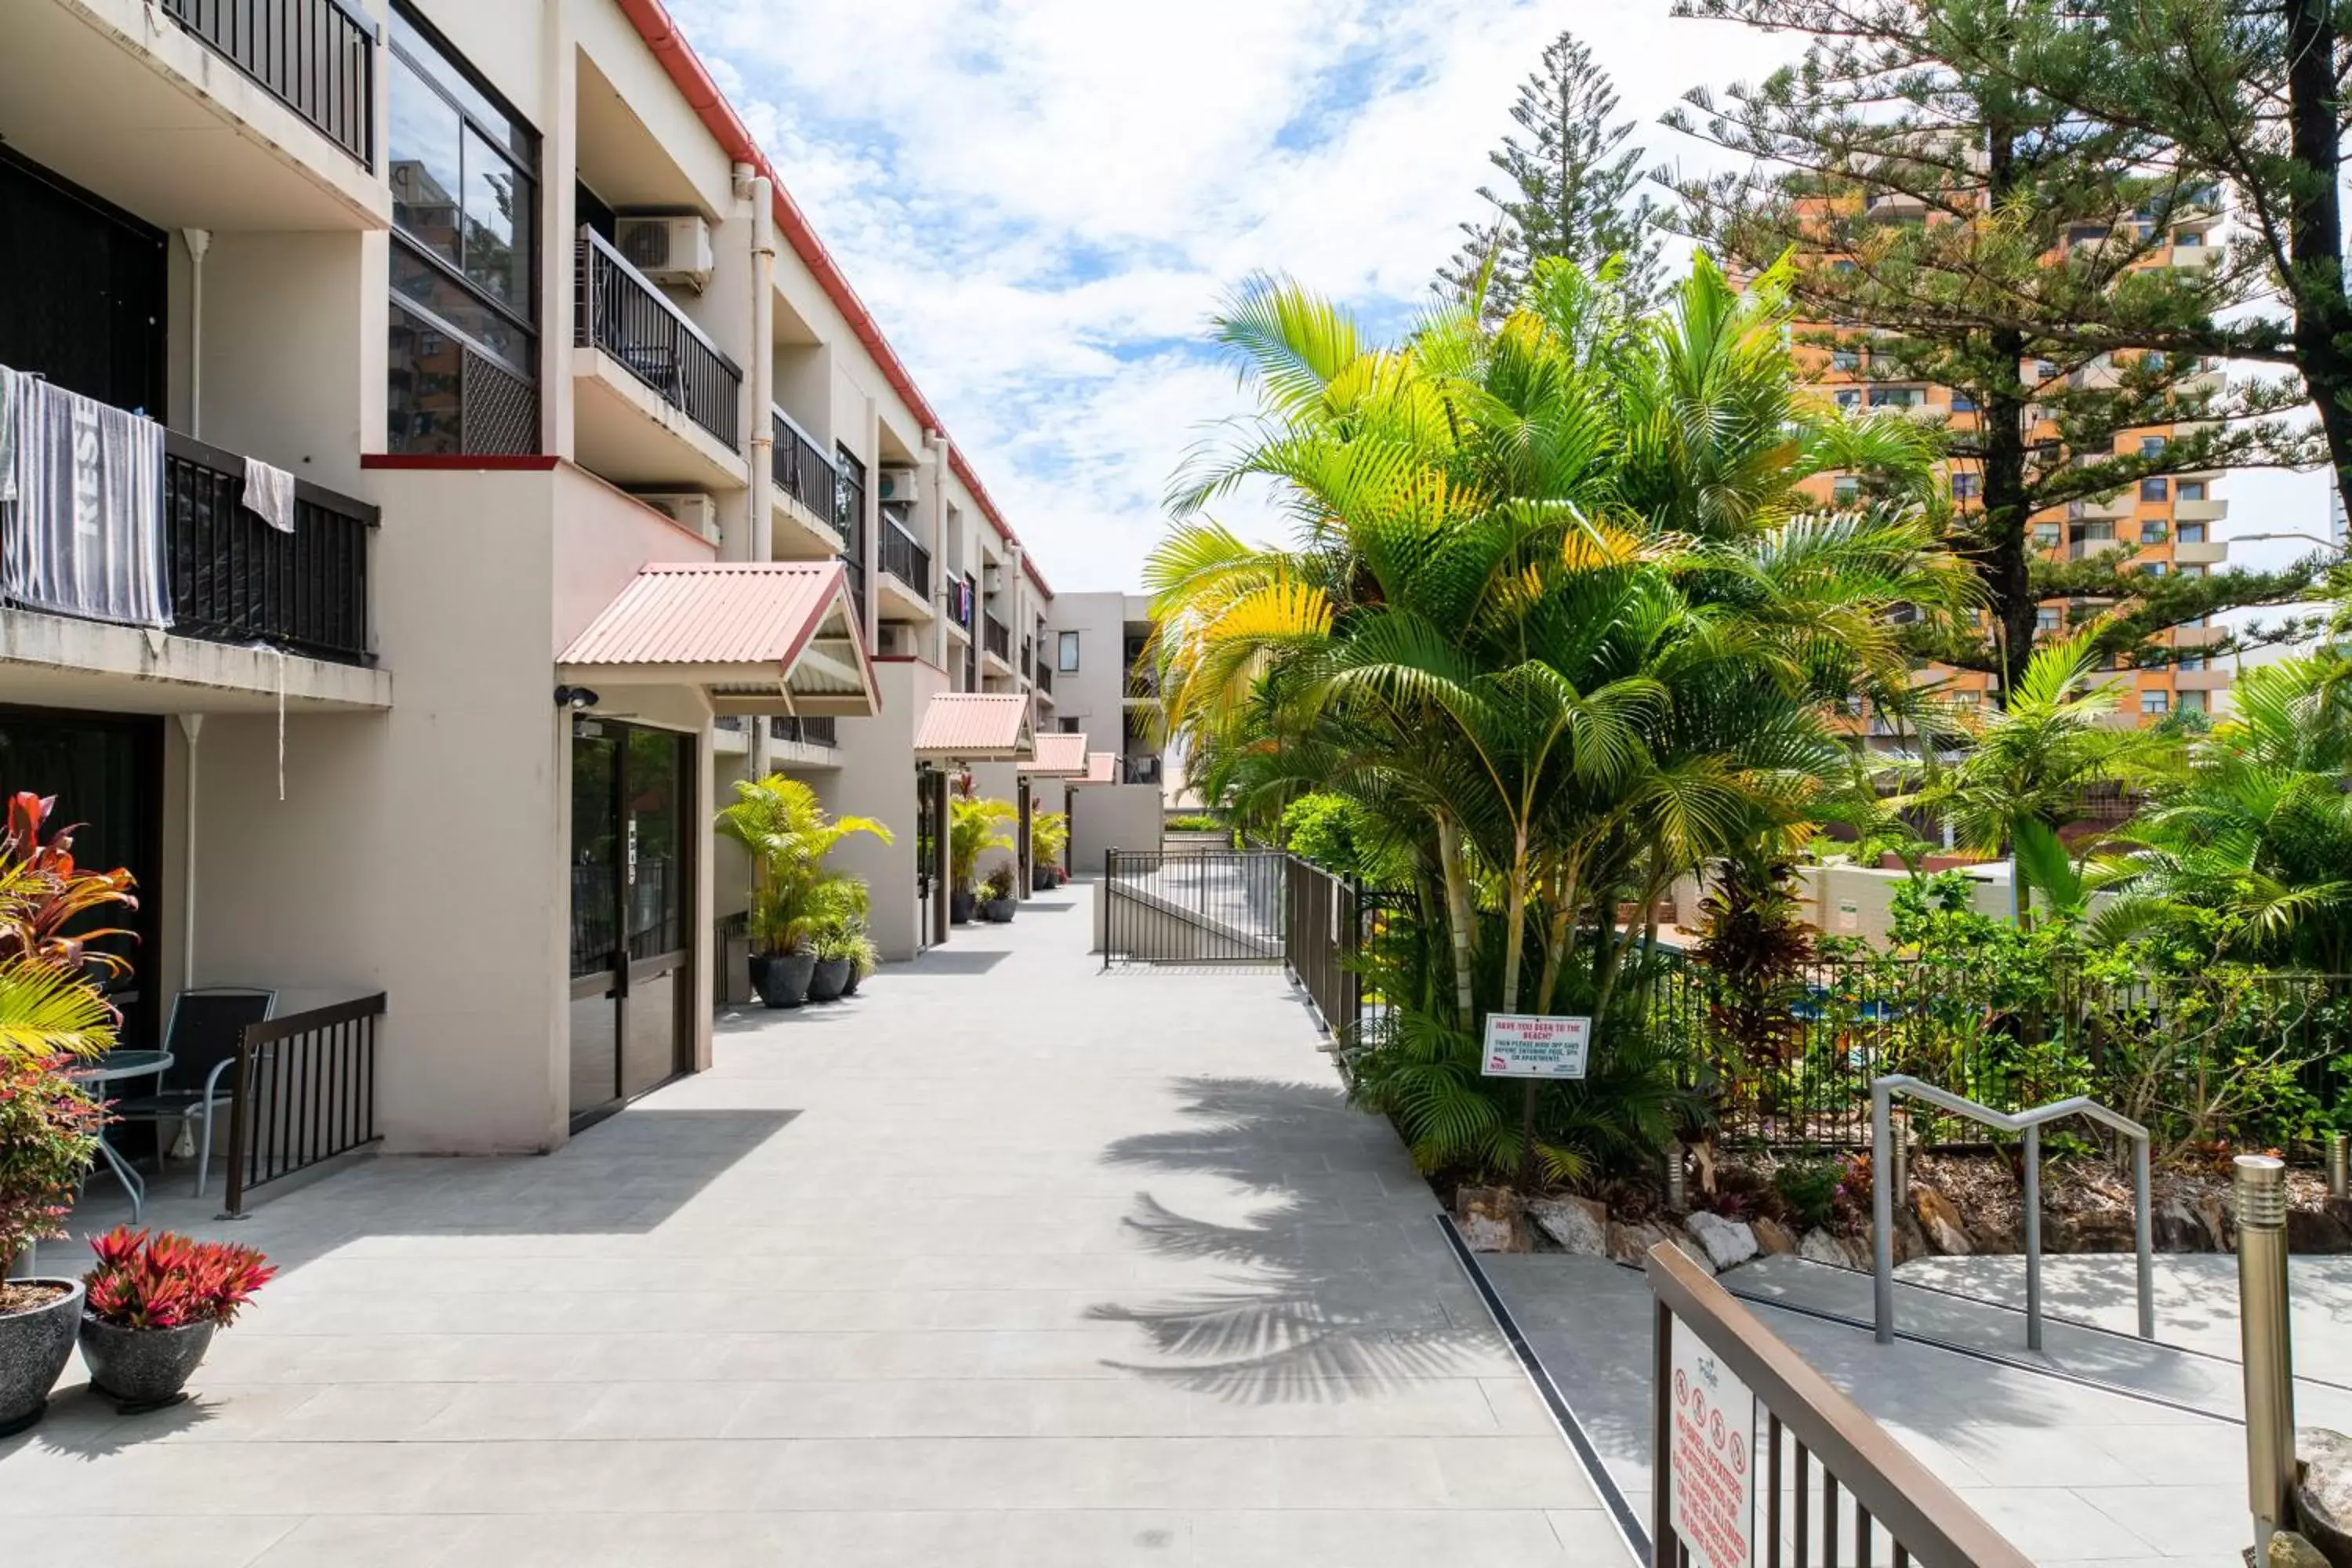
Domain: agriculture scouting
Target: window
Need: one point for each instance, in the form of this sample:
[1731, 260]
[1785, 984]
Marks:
[1849, 397]
[2156, 568]
[2192, 703]
[2188, 236]
[2155, 490]
[1963, 403]
[2190, 490]
[1967, 487]
[2193, 533]
[464, 367]
[2086, 235]
[1845, 490]
[2156, 702]
[1065, 655]
[1070, 726]
[1897, 397]
[2195, 661]
[2043, 370]
[2154, 532]
[2046, 535]
[2047, 621]
[2152, 446]
[2197, 571]
[1845, 359]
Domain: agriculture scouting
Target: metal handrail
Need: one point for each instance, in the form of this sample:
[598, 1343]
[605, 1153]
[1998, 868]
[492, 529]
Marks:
[2028, 1123]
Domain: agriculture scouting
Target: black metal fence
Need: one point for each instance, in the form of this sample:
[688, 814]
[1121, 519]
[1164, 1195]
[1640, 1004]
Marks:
[304, 1093]
[1192, 907]
[1788, 1063]
[904, 558]
[623, 315]
[236, 579]
[799, 467]
[996, 637]
[315, 56]
[809, 731]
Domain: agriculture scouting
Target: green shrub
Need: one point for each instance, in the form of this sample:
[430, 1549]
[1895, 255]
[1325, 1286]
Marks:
[1324, 828]
[1193, 823]
[1809, 1189]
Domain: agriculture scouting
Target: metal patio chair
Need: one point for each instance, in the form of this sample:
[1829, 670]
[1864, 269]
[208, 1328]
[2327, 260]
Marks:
[206, 1022]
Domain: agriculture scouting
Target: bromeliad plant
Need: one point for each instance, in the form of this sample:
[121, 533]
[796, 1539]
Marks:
[170, 1281]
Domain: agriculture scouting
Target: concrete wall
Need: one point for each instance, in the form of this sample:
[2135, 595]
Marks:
[876, 779]
[1112, 816]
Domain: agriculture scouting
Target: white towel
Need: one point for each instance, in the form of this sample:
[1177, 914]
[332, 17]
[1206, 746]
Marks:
[87, 536]
[8, 405]
[269, 494]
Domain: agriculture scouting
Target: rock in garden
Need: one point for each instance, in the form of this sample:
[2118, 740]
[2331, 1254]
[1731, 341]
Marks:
[2175, 1227]
[1632, 1243]
[2219, 1223]
[1578, 1225]
[2323, 1499]
[1939, 1220]
[2315, 1230]
[1773, 1239]
[1492, 1219]
[1727, 1242]
[2289, 1550]
[1820, 1247]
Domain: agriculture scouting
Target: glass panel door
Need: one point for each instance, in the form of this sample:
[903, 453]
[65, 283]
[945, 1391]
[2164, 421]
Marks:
[595, 918]
[658, 874]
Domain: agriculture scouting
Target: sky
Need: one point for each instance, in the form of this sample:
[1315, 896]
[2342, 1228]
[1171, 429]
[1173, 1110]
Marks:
[1044, 201]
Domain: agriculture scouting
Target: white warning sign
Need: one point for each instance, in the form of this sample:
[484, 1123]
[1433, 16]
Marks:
[1713, 1457]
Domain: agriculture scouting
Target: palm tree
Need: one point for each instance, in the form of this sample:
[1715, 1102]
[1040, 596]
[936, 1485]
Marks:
[1555, 612]
[2029, 765]
[787, 832]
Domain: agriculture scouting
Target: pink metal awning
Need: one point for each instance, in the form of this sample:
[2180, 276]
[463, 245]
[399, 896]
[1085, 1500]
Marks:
[757, 636]
[976, 727]
[1059, 757]
[1102, 768]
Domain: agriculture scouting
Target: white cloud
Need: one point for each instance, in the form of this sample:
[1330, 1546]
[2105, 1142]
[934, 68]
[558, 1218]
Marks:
[1044, 200]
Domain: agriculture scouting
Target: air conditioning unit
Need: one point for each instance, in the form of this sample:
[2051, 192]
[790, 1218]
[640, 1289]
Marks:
[894, 640]
[992, 578]
[899, 486]
[687, 509]
[671, 250]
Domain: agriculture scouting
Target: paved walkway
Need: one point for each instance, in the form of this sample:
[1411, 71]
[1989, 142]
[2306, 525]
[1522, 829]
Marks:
[1005, 1262]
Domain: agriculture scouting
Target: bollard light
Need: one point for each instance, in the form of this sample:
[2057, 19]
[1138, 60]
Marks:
[2339, 1165]
[2259, 1190]
[1677, 1177]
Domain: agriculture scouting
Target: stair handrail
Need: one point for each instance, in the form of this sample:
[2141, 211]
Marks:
[2028, 1123]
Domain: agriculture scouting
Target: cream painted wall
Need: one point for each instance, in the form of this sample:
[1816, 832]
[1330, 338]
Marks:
[287, 319]
[602, 536]
[1111, 816]
[877, 779]
[503, 41]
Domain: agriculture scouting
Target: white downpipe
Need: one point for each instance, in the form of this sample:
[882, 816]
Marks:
[190, 725]
[759, 543]
[198, 240]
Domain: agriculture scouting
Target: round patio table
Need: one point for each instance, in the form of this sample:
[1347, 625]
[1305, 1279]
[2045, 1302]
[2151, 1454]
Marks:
[112, 1067]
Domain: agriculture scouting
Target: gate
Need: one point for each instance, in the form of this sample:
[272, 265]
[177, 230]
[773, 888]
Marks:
[1192, 907]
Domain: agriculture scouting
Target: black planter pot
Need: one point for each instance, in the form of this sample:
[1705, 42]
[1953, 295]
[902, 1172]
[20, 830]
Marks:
[961, 905]
[997, 909]
[1043, 880]
[856, 978]
[35, 1345]
[782, 978]
[142, 1367]
[829, 981]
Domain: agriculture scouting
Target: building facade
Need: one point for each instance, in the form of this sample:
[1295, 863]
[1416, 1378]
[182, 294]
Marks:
[448, 459]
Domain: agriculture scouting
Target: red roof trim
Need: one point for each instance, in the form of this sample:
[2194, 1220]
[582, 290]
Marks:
[693, 79]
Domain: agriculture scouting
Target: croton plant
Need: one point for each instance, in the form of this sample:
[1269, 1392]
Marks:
[169, 1280]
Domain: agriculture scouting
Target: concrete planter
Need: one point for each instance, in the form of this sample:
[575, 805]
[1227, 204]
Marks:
[829, 981]
[35, 1346]
[142, 1366]
[781, 979]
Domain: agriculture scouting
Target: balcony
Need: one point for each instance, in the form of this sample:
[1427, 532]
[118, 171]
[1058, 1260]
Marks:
[823, 731]
[2213, 678]
[1139, 770]
[1045, 676]
[996, 642]
[315, 56]
[657, 402]
[2197, 636]
[806, 482]
[904, 593]
[2210, 510]
[2205, 552]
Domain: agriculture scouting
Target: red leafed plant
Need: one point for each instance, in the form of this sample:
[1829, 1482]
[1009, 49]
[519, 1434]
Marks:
[171, 1280]
[48, 891]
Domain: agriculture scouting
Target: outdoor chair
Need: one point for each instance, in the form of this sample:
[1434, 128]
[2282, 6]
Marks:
[206, 1022]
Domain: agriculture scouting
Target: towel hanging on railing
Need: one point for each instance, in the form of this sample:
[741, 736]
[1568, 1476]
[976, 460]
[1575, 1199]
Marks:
[9, 382]
[87, 534]
[269, 494]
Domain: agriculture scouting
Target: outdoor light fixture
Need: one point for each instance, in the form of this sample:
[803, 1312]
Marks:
[576, 698]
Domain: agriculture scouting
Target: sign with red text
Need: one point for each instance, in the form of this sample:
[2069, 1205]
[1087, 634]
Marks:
[1712, 1463]
[1520, 1045]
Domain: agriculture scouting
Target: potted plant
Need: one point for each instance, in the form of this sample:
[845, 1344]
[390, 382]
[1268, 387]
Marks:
[865, 958]
[152, 1307]
[996, 894]
[1049, 834]
[971, 833]
[52, 1015]
[787, 834]
[835, 955]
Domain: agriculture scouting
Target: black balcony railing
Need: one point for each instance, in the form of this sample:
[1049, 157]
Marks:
[996, 637]
[236, 579]
[1044, 673]
[303, 1091]
[1139, 770]
[1028, 654]
[905, 559]
[802, 470]
[315, 56]
[620, 312]
[820, 732]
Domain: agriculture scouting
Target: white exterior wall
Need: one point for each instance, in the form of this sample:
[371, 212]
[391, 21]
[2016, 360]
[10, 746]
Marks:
[1112, 816]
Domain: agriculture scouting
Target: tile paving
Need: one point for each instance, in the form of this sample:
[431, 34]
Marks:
[1004, 1261]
